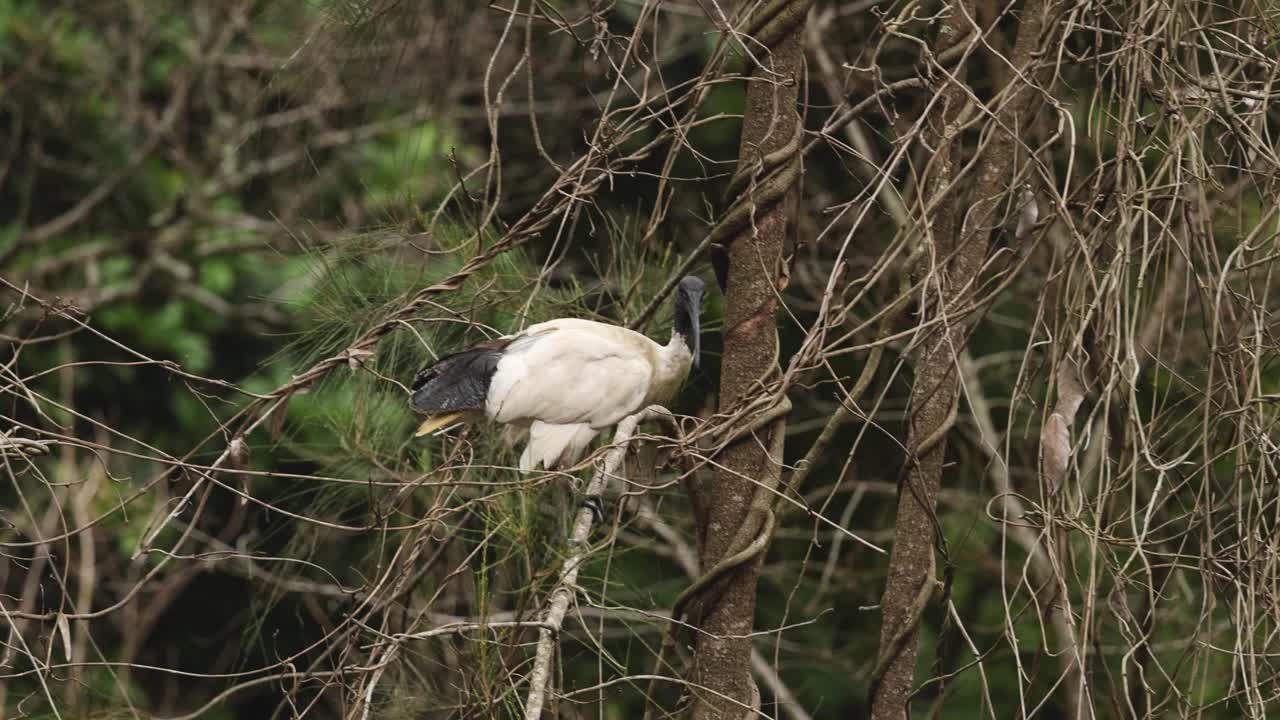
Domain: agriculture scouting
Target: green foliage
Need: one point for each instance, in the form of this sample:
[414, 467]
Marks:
[397, 169]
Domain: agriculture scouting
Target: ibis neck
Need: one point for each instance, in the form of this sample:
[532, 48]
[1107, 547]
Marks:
[685, 333]
[682, 329]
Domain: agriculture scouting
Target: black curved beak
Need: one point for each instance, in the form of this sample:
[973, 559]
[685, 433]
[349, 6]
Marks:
[697, 333]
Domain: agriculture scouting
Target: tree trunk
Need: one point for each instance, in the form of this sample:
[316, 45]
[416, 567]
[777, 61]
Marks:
[949, 268]
[734, 498]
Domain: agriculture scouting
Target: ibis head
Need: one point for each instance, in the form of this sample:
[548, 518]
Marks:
[688, 316]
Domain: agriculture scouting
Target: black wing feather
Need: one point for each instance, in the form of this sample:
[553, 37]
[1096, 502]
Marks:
[458, 381]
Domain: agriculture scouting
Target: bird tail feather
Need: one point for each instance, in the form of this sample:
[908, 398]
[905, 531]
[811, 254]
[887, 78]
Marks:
[459, 381]
[555, 446]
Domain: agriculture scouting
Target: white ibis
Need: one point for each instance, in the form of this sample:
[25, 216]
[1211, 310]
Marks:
[564, 380]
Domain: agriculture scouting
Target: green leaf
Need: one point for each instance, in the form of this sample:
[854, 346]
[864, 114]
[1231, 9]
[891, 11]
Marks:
[217, 276]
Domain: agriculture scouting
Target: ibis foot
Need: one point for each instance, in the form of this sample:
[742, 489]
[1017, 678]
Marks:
[596, 506]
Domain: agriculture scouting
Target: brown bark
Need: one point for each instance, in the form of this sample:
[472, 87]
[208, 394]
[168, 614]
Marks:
[736, 496]
[911, 562]
[949, 269]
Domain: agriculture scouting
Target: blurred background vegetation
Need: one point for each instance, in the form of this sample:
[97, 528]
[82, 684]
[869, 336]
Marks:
[240, 190]
[200, 201]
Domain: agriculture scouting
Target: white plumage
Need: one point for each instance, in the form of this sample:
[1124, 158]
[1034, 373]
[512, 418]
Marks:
[565, 380]
[554, 445]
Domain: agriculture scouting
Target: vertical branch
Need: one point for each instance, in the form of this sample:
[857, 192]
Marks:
[563, 593]
[738, 496]
[955, 253]
[911, 563]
